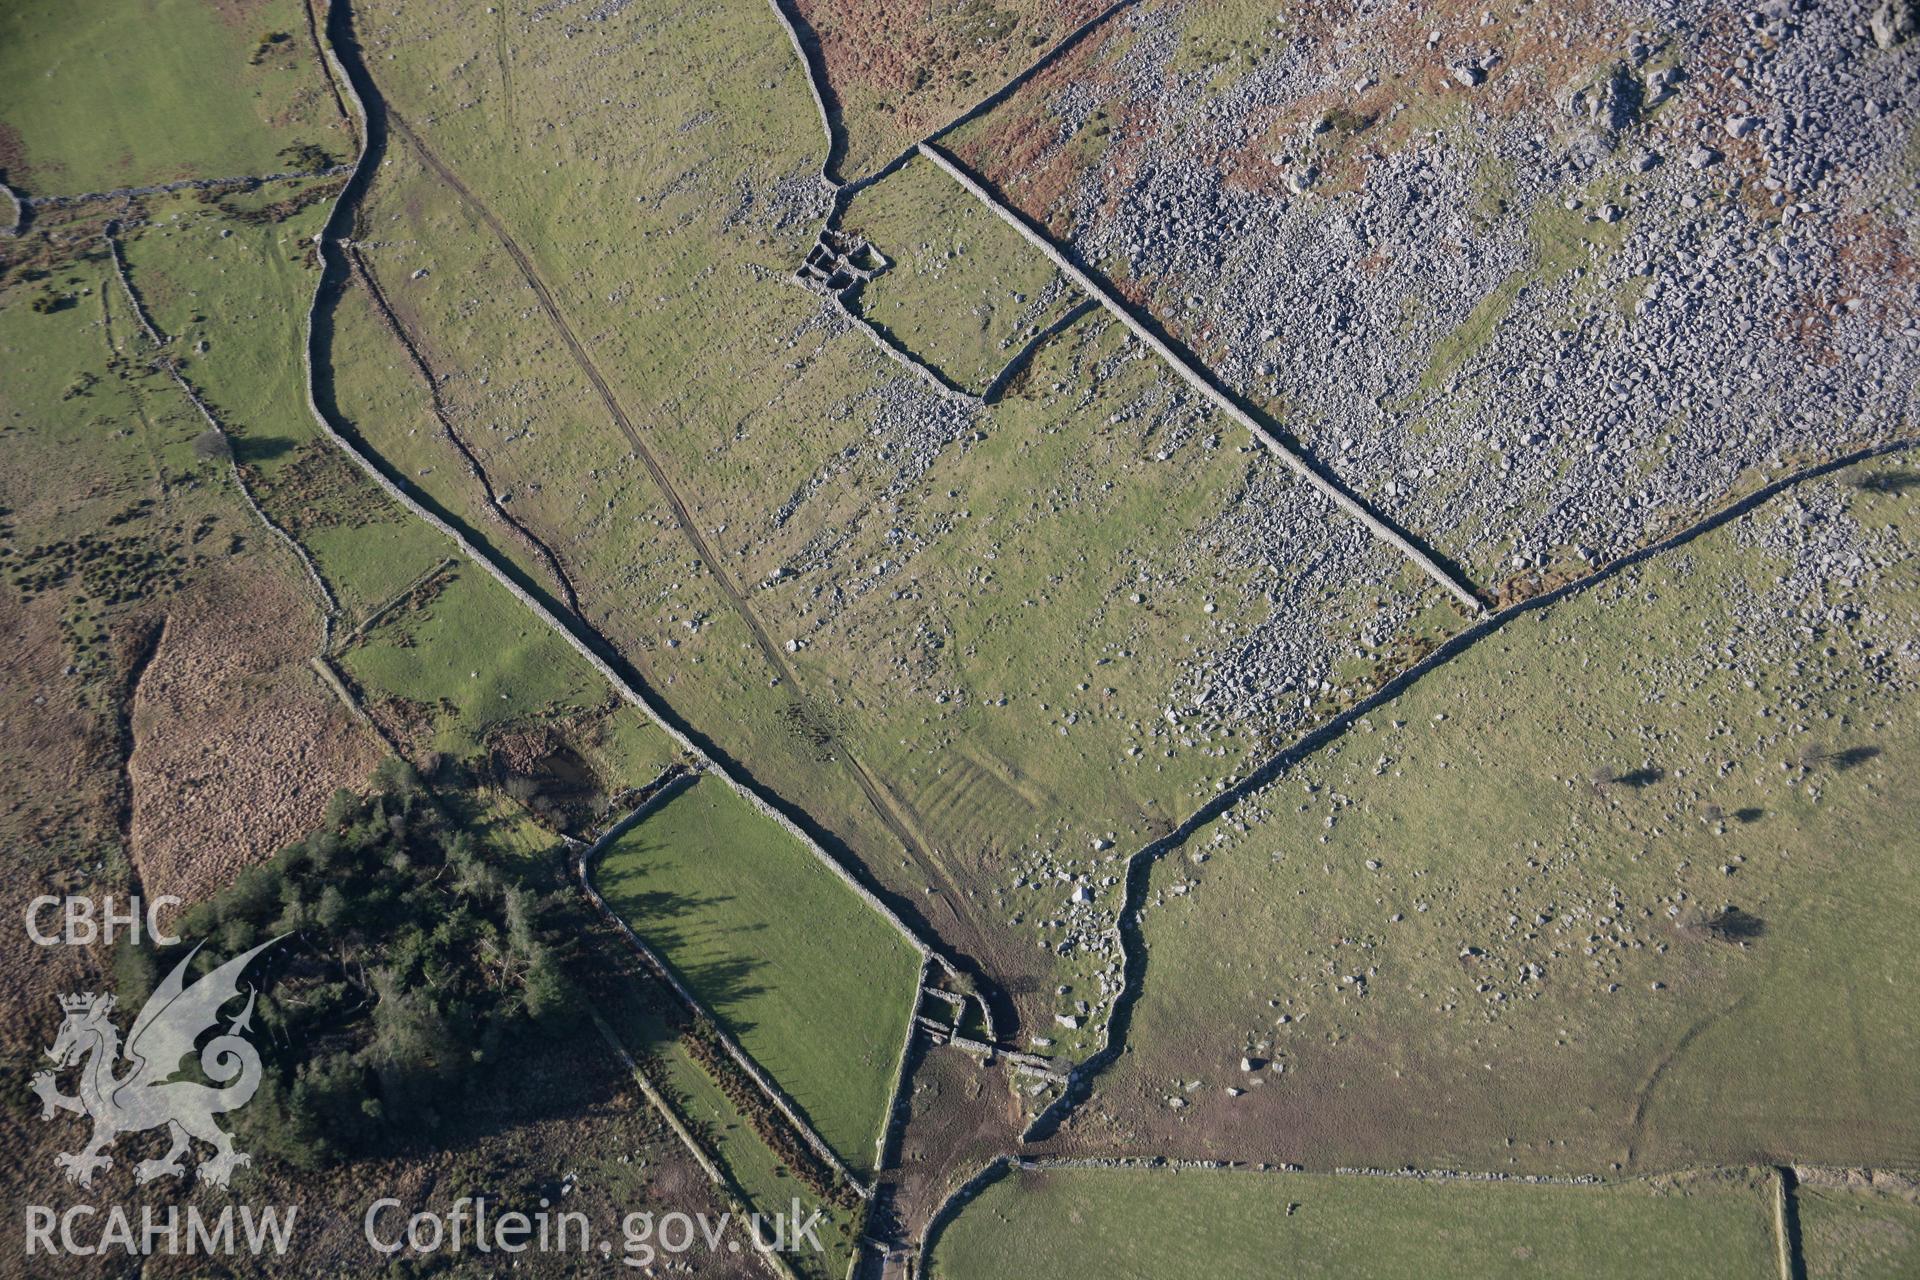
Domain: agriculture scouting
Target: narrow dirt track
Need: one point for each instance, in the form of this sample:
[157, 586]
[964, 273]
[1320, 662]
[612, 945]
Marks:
[879, 797]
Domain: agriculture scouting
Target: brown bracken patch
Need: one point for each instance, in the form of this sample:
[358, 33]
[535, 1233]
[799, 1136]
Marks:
[237, 745]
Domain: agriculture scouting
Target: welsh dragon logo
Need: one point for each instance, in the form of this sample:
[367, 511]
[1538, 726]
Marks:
[145, 1094]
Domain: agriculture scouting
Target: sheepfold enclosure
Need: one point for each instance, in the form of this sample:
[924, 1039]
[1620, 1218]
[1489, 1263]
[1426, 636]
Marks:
[815, 985]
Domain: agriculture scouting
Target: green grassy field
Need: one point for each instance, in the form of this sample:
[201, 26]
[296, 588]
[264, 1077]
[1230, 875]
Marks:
[102, 94]
[767, 1184]
[816, 986]
[1074, 1223]
[835, 494]
[476, 652]
[965, 292]
[98, 444]
[231, 295]
[1858, 1232]
[1627, 884]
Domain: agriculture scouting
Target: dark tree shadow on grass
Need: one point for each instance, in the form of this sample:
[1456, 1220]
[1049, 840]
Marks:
[671, 923]
[1891, 482]
[256, 449]
[1852, 757]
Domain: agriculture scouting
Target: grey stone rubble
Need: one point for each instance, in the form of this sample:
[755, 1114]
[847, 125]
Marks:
[838, 267]
[1203, 383]
[1760, 334]
[1238, 680]
[908, 430]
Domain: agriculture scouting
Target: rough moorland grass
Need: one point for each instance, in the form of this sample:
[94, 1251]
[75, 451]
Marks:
[112, 93]
[816, 986]
[899, 72]
[730, 1138]
[1007, 544]
[1102, 1223]
[1855, 1233]
[231, 295]
[475, 650]
[87, 420]
[964, 292]
[1631, 881]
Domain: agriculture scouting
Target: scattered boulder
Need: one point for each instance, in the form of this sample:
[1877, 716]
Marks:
[1895, 22]
[1612, 102]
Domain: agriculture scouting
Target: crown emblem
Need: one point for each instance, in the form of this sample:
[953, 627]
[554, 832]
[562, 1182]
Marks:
[77, 1003]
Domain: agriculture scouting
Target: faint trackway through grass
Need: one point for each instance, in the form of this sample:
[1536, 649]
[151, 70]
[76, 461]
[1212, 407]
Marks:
[347, 64]
[880, 798]
[1127, 926]
[337, 273]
